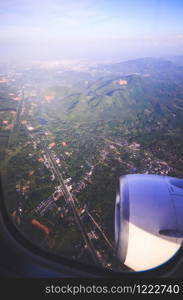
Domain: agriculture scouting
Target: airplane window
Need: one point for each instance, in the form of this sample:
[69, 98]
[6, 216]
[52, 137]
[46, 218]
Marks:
[90, 108]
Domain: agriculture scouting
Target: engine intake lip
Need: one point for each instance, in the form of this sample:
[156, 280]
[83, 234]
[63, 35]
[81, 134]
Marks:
[122, 215]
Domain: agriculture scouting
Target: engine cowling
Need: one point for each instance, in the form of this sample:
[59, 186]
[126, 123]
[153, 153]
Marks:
[148, 220]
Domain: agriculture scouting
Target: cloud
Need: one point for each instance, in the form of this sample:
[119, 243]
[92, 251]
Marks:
[54, 17]
[81, 26]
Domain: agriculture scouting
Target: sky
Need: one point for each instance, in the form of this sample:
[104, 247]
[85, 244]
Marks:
[93, 30]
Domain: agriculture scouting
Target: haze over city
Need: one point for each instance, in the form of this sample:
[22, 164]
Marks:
[92, 30]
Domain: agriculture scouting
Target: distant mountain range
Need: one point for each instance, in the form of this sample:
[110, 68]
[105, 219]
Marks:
[123, 90]
[178, 60]
[156, 67]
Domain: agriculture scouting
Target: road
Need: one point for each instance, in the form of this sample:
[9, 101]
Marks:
[97, 254]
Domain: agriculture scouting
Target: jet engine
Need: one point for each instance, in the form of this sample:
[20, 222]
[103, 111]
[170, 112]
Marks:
[148, 220]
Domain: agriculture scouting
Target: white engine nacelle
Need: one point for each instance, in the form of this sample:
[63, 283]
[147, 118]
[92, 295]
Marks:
[148, 220]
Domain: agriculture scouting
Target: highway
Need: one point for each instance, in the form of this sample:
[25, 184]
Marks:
[99, 256]
[70, 201]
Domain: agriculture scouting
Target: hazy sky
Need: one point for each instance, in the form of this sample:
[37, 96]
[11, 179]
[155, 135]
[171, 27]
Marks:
[90, 29]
